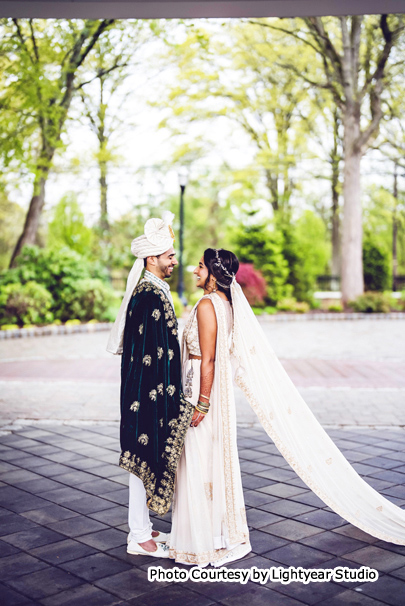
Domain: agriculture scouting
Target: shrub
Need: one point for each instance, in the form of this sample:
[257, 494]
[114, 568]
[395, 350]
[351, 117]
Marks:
[178, 305]
[307, 251]
[263, 247]
[194, 297]
[258, 311]
[252, 283]
[90, 300]
[372, 302]
[28, 303]
[78, 287]
[335, 307]
[74, 322]
[291, 304]
[376, 267]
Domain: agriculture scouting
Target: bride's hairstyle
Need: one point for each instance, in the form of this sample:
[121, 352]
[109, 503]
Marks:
[223, 265]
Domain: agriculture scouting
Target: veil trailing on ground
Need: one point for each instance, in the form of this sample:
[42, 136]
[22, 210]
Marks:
[298, 435]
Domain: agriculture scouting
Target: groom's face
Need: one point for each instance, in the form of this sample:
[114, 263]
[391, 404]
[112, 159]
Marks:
[165, 264]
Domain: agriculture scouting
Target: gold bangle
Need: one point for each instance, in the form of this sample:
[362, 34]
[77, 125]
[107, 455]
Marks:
[200, 411]
[204, 404]
[203, 396]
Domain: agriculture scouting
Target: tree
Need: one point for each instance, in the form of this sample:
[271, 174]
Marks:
[67, 226]
[11, 221]
[41, 61]
[356, 57]
[235, 77]
[102, 103]
[258, 245]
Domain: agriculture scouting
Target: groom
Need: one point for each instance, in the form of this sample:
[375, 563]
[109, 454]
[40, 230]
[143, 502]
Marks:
[154, 414]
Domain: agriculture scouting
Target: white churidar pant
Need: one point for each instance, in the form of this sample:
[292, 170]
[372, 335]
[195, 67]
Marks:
[140, 526]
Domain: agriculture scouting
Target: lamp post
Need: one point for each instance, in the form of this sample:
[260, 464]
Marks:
[183, 180]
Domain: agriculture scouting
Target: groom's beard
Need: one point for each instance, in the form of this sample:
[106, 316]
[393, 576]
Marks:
[166, 271]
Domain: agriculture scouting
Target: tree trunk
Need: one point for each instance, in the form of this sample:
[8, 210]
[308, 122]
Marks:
[104, 224]
[272, 184]
[352, 248]
[335, 233]
[29, 233]
[395, 231]
[335, 158]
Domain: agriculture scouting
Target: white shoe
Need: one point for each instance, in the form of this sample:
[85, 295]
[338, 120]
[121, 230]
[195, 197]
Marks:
[162, 537]
[162, 550]
[238, 552]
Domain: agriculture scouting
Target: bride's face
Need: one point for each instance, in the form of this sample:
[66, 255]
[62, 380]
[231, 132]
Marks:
[201, 271]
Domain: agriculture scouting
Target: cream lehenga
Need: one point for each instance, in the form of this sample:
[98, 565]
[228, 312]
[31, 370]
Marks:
[294, 430]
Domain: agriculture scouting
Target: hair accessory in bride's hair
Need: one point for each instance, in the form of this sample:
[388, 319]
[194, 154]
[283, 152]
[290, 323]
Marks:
[219, 264]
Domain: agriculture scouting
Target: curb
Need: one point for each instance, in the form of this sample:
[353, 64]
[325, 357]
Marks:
[44, 331]
[395, 315]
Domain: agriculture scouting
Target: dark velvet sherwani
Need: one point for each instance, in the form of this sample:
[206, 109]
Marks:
[154, 414]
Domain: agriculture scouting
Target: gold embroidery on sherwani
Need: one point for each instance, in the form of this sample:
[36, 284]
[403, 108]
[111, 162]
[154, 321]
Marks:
[170, 390]
[147, 360]
[160, 503]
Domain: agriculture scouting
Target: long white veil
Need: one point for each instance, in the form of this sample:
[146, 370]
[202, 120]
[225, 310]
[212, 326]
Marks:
[298, 435]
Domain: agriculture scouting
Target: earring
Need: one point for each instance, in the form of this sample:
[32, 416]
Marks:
[214, 288]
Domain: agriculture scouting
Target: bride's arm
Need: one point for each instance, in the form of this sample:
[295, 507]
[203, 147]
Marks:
[207, 332]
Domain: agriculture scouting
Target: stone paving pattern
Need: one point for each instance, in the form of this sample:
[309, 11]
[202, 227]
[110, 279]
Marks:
[63, 499]
[349, 373]
[63, 512]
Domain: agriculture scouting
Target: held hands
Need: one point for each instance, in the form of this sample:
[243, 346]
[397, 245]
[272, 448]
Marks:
[197, 418]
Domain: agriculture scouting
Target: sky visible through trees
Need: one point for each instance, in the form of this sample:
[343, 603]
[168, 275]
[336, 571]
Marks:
[255, 110]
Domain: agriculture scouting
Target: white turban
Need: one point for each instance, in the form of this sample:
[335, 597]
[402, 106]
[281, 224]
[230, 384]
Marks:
[157, 239]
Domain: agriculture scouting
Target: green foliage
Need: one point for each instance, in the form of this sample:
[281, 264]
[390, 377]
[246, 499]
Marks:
[335, 307]
[76, 286]
[194, 297]
[178, 305]
[307, 252]
[11, 221]
[372, 302]
[258, 311]
[291, 304]
[259, 245]
[90, 299]
[376, 267]
[67, 226]
[28, 303]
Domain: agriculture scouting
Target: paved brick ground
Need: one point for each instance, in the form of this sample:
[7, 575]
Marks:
[63, 524]
[63, 499]
[350, 373]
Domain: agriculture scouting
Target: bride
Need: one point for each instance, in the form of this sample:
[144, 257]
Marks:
[209, 522]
